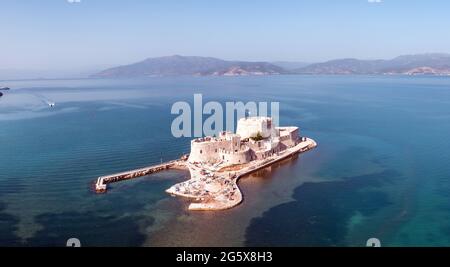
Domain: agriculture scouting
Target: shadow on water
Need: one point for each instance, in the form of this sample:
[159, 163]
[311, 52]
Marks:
[118, 218]
[8, 226]
[321, 211]
[90, 229]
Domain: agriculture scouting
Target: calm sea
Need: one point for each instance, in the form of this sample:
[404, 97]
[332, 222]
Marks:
[381, 169]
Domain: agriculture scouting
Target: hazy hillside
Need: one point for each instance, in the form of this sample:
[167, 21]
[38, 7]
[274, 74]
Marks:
[189, 65]
[429, 64]
[435, 64]
[290, 65]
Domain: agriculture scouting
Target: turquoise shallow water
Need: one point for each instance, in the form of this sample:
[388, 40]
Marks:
[381, 168]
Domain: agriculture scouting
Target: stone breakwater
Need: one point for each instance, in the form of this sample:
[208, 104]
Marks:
[217, 189]
[101, 184]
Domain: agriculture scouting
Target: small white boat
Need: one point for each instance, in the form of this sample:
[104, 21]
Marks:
[51, 104]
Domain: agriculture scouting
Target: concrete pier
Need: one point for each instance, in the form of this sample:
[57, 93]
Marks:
[102, 182]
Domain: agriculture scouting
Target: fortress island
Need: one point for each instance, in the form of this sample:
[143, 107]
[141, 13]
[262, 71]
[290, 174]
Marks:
[216, 163]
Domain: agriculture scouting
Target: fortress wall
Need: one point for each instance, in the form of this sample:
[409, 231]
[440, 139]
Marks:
[255, 145]
[295, 134]
[289, 136]
[263, 154]
[207, 151]
[289, 142]
[228, 147]
[235, 142]
[236, 157]
[282, 147]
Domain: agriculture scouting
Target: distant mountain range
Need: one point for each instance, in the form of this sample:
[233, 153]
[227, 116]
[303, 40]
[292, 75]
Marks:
[422, 64]
[290, 65]
[188, 65]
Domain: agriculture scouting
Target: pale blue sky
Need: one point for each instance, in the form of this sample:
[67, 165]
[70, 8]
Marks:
[52, 34]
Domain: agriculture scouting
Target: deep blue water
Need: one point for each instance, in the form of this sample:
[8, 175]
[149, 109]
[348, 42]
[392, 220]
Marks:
[381, 168]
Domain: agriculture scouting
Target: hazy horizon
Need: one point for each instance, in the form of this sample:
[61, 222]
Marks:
[68, 73]
[91, 35]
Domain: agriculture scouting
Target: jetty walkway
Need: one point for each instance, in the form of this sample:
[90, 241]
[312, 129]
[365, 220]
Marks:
[102, 182]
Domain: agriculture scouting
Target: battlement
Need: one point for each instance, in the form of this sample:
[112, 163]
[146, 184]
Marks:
[241, 147]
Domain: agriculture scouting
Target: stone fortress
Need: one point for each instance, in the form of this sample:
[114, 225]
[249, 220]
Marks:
[256, 138]
[216, 163]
